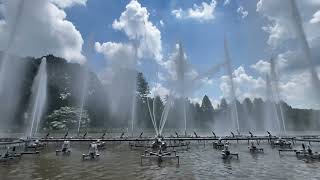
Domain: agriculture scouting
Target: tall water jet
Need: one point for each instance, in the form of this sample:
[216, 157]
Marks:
[134, 97]
[180, 70]
[271, 121]
[298, 25]
[275, 91]
[39, 97]
[10, 71]
[11, 38]
[83, 96]
[297, 22]
[234, 109]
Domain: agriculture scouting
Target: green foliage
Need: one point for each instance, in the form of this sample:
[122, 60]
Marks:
[67, 118]
[207, 109]
[142, 86]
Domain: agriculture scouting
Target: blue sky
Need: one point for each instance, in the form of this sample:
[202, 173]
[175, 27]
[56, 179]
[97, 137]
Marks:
[104, 34]
[202, 41]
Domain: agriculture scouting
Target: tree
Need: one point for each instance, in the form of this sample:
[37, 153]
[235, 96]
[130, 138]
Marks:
[206, 104]
[207, 109]
[223, 104]
[142, 86]
[67, 118]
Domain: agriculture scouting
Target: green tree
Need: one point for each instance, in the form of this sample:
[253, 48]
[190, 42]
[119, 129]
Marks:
[223, 104]
[67, 118]
[142, 86]
[207, 109]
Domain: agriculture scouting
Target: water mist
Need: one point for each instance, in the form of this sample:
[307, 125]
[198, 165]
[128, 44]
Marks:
[39, 97]
[234, 109]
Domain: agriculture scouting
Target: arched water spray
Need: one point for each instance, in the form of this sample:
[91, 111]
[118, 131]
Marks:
[234, 109]
[39, 97]
[164, 114]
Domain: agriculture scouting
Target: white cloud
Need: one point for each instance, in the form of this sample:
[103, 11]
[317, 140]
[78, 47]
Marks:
[42, 29]
[134, 22]
[177, 13]
[144, 41]
[281, 27]
[243, 13]
[261, 66]
[298, 90]
[159, 90]
[246, 85]
[69, 3]
[121, 55]
[315, 18]
[295, 88]
[161, 23]
[226, 2]
[203, 12]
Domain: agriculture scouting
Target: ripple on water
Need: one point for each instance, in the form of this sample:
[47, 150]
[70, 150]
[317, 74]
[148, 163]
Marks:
[119, 162]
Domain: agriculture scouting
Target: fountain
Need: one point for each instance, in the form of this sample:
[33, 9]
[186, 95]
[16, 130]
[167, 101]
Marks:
[275, 94]
[11, 39]
[180, 70]
[39, 97]
[164, 114]
[10, 71]
[234, 109]
[83, 96]
[297, 22]
[271, 120]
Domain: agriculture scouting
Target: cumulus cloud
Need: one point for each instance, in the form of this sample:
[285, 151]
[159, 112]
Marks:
[121, 54]
[69, 3]
[159, 90]
[144, 40]
[246, 85]
[278, 13]
[293, 88]
[261, 66]
[281, 27]
[202, 13]
[315, 18]
[134, 22]
[243, 13]
[281, 62]
[42, 29]
[298, 91]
